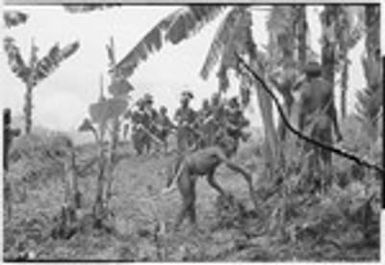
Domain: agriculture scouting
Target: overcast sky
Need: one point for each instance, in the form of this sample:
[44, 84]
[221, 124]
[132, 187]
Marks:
[61, 101]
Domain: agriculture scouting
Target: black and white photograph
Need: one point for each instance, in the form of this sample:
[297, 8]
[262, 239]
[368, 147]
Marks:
[191, 131]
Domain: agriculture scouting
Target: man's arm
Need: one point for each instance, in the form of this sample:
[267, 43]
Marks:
[247, 176]
[236, 168]
[177, 116]
[194, 118]
[170, 124]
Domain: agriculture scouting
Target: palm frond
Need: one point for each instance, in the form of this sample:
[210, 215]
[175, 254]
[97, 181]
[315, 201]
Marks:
[369, 102]
[52, 60]
[14, 18]
[223, 79]
[279, 20]
[281, 26]
[151, 42]
[86, 126]
[101, 112]
[177, 26]
[190, 20]
[15, 60]
[349, 30]
[68, 50]
[120, 87]
[235, 36]
[372, 70]
[47, 64]
[222, 37]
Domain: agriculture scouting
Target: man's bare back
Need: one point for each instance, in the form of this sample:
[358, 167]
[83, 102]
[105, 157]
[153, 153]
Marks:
[203, 162]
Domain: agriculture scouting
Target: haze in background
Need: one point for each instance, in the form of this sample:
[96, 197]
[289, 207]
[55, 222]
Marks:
[61, 101]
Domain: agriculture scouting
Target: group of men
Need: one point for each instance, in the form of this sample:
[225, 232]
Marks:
[194, 129]
[149, 126]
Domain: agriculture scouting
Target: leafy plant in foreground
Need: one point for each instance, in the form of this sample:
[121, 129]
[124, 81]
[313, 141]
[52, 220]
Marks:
[104, 123]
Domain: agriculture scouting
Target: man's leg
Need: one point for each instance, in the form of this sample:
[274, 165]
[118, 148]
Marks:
[214, 184]
[323, 133]
[180, 139]
[186, 185]
[136, 141]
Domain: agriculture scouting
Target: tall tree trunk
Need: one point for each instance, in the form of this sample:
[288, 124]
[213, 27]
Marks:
[115, 127]
[372, 21]
[72, 189]
[71, 183]
[76, 199]
[344, 87]
[328, 18]
[302, 30]
[272, 152]
[28, 109]
[372, 45]
[343, 33]
[111, 160]
[7, 139]
[29, 87]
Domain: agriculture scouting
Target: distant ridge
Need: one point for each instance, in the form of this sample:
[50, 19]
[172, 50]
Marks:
[38, 129]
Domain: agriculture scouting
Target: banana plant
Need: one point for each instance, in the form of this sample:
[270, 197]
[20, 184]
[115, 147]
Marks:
[119, 88]
[32, 73]
[102, 116]
[105, 121]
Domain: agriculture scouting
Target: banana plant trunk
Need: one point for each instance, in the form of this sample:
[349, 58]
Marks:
[372, 46]
[28, 109]
[112, 158]
[328, 47]
[115, 128]
[344, 88]
[71, 202]
[107, 159]
[76, 197]
[68, 220]
[342, 31]
[272, 152]
[98, 208]
[302, 29]
[372, 22]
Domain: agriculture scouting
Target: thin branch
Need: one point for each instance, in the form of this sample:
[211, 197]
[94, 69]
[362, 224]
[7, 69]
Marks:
[332, 149]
